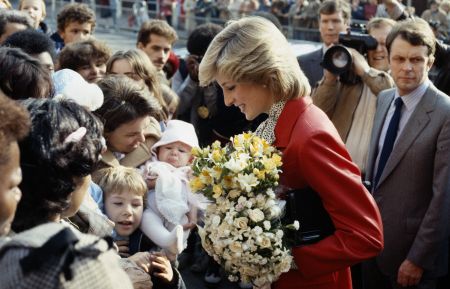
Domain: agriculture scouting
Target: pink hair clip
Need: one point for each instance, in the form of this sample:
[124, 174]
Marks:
[76, 136]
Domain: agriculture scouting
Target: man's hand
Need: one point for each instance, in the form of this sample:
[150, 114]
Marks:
[142, 259]
[409, 274]
[124, 251]
[360, 64]
[161, 266]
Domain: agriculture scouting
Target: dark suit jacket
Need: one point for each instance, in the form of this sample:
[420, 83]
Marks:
[413, 192]
[310, 64]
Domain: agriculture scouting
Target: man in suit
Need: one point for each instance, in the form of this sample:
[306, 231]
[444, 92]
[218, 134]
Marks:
[409, 166]
[334, 17]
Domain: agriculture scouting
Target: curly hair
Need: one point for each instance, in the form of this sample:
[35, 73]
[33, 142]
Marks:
[75, 12]
[14, 125]
[22, 76]
[50, 165]
[31, 42]
[124, 101]
[77, 54]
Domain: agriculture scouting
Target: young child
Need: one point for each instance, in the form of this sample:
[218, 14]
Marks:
[75, 22]
[124, 190]
[37, 11]
[171, 208]
[87, 57]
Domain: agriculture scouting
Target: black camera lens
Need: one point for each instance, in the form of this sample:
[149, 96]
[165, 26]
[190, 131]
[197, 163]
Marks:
[337, 60]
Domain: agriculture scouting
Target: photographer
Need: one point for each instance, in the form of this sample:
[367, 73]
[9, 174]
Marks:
[351, 106]
[334, 17]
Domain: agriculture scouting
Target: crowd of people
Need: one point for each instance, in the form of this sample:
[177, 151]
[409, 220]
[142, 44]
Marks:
[95, 165]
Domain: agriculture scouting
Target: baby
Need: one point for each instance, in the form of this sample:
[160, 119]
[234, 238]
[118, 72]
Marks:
[171, 207]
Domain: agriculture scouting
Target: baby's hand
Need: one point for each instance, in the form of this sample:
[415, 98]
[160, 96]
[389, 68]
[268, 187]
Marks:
[142, 259]
[161, 266]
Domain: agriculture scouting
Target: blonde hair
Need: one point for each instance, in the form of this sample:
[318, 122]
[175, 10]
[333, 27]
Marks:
[144, 68]
[119, 179]
[253, 50]
[379, 22]
[43, 7]
[170, 97]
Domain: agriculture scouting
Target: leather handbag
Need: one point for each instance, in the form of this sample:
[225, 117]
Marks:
[305, 206]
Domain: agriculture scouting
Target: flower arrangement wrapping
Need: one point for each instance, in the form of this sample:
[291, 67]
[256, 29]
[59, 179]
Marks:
[242, 229]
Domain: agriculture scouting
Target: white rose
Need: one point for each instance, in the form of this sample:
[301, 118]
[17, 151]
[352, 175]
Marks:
[265, 243]
[280, 234]
[257, 230]
[241, 223]
[296, 225]
[215, 220]
[275, 211]
[236, 247]
[267, 225]
[256, 215]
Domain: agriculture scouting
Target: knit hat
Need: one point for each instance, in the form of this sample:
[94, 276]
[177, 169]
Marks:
[177, 130]
[71, 85]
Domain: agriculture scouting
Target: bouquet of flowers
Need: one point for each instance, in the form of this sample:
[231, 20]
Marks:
[242, 230]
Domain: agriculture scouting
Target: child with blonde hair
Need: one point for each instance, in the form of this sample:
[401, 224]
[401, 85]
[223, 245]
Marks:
[37, 11]
[124, 192]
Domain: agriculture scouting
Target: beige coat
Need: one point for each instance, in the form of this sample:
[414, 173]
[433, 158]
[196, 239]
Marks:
[339, 101]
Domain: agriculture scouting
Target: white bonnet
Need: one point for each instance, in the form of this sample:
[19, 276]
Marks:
[177, 130]
[71, 85]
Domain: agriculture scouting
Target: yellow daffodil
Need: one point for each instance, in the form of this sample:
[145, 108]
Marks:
[205, 177]
[216, 155]
[218, 191]
[196, 184]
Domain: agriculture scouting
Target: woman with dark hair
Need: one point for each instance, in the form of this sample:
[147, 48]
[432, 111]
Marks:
[57, 158]
[130, 128]
[14, 125]
[54, 163]
[22, 76]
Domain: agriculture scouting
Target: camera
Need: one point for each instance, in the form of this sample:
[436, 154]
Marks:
[338, 59]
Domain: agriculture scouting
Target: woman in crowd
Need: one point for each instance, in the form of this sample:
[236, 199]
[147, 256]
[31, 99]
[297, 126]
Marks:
[130, 128]
[57, 158]
[137, 66]
[257, 70]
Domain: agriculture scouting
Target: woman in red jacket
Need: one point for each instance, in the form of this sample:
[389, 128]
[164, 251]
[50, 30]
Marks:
[258, 72]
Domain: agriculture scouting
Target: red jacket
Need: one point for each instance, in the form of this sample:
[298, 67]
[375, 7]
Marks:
[314, 155]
